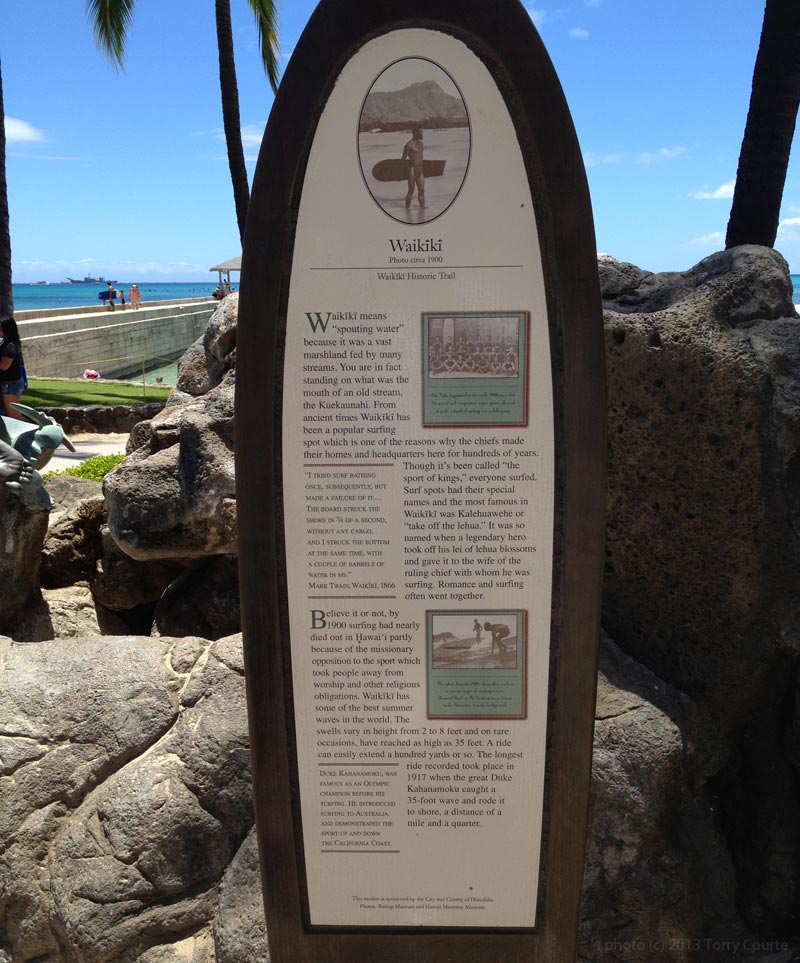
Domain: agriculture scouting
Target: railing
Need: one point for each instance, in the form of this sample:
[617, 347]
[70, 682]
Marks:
[145, 363]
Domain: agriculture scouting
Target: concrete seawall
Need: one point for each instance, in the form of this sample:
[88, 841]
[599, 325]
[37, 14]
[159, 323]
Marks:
[63, 342]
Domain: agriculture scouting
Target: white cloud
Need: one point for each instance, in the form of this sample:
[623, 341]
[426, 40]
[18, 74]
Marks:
[789, 229]
[56, 158]
[591, 159]
[538, 16]
[252, 135]
[722, 193]
[21, 132]
[716, 238]
[663, 154]
[578, 33]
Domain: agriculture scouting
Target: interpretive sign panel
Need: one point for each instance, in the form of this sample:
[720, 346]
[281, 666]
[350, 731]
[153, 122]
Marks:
[420, 617]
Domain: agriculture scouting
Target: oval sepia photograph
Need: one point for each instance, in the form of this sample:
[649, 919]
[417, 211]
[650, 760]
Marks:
[414, 140]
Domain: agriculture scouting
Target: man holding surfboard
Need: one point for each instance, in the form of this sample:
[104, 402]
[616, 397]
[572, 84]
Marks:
[412, 154]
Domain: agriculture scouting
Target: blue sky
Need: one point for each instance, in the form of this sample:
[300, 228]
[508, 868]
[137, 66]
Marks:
[125, 174]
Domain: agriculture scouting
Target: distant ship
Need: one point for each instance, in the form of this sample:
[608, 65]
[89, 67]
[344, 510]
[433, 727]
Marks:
[88, 280]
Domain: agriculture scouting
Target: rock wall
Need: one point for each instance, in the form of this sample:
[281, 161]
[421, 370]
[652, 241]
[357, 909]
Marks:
[175, 493]
[703, 552]
[99, 419]
[124, 796]
[123, 757]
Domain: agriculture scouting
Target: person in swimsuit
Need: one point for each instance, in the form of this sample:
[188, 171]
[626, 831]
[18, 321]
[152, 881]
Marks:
[499, 632]
[413, 153]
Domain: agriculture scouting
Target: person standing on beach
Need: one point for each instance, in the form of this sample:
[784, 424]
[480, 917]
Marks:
[13, 380]
[121, 294]
[413, 154]
[135, 297]
[111, 296]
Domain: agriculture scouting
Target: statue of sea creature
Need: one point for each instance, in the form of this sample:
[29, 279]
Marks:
[35, 439]
[25, 447]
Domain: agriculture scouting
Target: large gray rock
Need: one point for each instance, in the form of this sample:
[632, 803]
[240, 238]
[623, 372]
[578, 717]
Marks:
[738, 285]
[202, 601]
[72, 543]
[205, 363]
[124, 795]
[174, 496]
[121, 583]
[61, 613]
[22, 534]
[698, 541]
[638, 878]
[240, 930]
[702, 544]
[125, 802]
[197, 948]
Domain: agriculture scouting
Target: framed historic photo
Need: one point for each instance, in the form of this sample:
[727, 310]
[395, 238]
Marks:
[421, 488]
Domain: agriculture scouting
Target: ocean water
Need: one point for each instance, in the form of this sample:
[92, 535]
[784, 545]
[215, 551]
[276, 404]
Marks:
[28, 297]
[31, 296]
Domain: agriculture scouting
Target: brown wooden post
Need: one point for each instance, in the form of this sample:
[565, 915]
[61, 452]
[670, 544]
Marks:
[421, 486]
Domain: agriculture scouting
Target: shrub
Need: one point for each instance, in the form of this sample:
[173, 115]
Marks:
[93, 468]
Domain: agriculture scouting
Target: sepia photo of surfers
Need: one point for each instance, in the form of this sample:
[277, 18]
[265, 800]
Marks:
[474, 640]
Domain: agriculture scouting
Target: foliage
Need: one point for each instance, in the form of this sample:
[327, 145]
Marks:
[110, 23]
[111, 20]
[95, 469]
[266, 16]
[64, 393]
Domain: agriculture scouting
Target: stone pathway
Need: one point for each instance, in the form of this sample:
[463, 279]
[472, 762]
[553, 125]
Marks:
[87, 446]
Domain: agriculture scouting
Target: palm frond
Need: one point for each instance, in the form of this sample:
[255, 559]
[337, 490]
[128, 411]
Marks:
[266, 16]
[110, 20]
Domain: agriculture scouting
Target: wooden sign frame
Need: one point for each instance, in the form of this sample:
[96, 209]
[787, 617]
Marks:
[503, 38]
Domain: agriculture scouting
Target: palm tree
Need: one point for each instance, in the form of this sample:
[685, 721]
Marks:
[6, 295]
[769, 131]
[110, 22]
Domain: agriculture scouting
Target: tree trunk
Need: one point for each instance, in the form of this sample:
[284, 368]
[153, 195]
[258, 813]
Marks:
[230, 113]
[6, 295]
[768, 134]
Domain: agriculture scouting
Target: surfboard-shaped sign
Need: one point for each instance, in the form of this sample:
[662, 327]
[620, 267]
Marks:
[420, 462]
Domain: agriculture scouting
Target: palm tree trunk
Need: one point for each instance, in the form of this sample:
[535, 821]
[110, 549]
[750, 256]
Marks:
[230, 113]
[6, 295]
[768, 135]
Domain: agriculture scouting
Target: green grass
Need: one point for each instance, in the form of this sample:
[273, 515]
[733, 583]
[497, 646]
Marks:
[64, 393]
[95, 468]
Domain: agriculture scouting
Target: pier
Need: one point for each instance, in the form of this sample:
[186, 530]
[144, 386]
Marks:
[64, 342]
